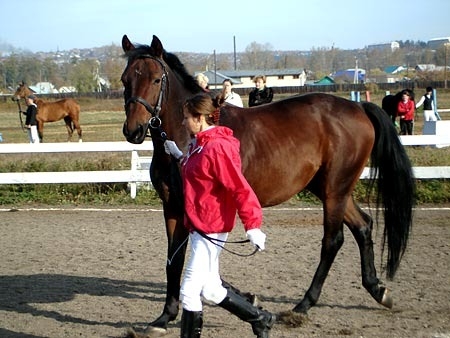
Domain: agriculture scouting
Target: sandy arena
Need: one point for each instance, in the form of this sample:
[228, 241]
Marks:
[96, 273]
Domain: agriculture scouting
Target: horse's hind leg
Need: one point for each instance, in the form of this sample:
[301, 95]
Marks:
[69, 127]
[361, 224]
[331, 243]
[76, 125]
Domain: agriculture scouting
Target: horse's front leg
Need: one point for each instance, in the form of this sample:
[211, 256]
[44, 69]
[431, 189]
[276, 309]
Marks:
[40, 128]
[177, 236]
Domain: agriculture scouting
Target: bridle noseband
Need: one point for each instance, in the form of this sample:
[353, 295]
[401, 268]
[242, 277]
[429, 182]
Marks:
[154, 122]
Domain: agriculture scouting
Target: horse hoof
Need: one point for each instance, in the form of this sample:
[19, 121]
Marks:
[387, 300]
[153, 331]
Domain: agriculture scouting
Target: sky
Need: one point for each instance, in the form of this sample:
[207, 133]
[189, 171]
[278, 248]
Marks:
[220, 26]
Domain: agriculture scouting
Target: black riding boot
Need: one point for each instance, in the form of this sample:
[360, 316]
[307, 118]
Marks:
[261, 321]
[191, 324]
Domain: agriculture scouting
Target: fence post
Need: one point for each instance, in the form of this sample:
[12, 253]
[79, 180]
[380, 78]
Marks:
[134, 168]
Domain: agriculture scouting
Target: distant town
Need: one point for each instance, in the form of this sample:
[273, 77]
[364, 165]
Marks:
[99, 69]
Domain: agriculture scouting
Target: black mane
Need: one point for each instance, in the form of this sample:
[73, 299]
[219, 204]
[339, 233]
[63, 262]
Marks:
[171, 60]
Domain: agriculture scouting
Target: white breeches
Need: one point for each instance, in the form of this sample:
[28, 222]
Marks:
[201, 276]
[428, 115]
[33, 134]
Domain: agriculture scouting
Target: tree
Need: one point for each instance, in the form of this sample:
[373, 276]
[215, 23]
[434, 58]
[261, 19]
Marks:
[82, 76]
[257, 56]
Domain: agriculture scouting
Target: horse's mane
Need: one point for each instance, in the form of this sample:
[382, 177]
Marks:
[171, 60]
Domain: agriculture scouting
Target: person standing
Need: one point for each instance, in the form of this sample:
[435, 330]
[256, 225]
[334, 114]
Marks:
[229, 95]
[405, 110]
[31, 119]
[260, 94]
[428, 105]
[214, 190]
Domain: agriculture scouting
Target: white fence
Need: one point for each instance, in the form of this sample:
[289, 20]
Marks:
[139, 166]
[138, 172]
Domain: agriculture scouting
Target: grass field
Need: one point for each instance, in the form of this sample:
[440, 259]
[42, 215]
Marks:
[101, 120]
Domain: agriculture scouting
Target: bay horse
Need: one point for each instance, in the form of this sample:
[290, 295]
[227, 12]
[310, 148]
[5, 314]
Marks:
[315, 141]
[390, 102]
[67, 109]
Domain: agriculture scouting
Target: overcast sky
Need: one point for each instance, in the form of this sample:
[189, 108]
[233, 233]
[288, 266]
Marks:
[205, 26]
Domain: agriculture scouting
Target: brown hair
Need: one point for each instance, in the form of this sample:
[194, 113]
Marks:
[257, 77]
[204, 105]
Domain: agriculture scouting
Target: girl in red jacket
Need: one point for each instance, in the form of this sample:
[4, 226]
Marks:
[405, 110]
[214, 189]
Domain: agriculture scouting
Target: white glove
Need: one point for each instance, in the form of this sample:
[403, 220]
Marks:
[257, 238]
[171, 148]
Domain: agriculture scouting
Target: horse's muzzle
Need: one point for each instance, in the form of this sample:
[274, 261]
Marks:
[136, 136]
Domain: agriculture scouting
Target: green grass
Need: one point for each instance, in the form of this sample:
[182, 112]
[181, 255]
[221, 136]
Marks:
[101, 120]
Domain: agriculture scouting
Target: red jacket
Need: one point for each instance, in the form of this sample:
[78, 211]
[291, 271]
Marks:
[406, 109]
[214, 186]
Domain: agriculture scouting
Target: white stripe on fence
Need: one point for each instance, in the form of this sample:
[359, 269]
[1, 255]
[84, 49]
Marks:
[139, 168]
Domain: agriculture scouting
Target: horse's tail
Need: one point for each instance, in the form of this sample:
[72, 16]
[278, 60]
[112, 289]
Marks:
[396, 188]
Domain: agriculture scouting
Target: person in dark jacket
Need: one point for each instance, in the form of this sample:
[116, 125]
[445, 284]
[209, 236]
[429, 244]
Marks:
[261, 94]
[31, 119]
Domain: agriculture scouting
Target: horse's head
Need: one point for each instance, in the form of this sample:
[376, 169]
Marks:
[145, 82]
[22, 92]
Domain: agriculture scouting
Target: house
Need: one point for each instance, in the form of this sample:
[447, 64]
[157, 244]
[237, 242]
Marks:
[350, 75]
[394, 69]
[216, 79]
[44, 88]
[381, 46]
[438, 42]
[244, 78]
[326, 80]
[67, 89]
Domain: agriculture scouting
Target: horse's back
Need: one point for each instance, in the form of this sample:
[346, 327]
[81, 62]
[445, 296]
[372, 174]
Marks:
[51, 111]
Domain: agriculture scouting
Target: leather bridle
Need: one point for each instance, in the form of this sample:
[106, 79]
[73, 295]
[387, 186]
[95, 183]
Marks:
[154, 122]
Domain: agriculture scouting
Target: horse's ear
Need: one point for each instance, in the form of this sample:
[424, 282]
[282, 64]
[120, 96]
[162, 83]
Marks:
[157, 46]
[126, 44]
[22, 83]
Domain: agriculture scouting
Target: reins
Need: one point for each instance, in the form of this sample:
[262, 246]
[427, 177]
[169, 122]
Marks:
[20, 115]
[217, 242]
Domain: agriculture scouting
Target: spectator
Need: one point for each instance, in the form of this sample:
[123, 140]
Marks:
[31, 119]
[405, 110]
[230, 96]
[428, 105]
[261, 94]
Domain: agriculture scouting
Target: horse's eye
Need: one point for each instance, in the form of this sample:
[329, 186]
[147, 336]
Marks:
[157, 81]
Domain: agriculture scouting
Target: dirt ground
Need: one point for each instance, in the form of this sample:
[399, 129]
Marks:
[96, 273]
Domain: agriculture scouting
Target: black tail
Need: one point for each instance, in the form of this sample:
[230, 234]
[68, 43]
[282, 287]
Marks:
[396, 188]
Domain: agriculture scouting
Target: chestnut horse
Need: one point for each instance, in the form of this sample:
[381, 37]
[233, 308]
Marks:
[317, 142]
[67, 109]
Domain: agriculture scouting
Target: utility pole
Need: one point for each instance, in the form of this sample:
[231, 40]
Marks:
[234, 48]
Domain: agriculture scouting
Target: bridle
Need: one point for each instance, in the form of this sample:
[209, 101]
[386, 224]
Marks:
[154, 122]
